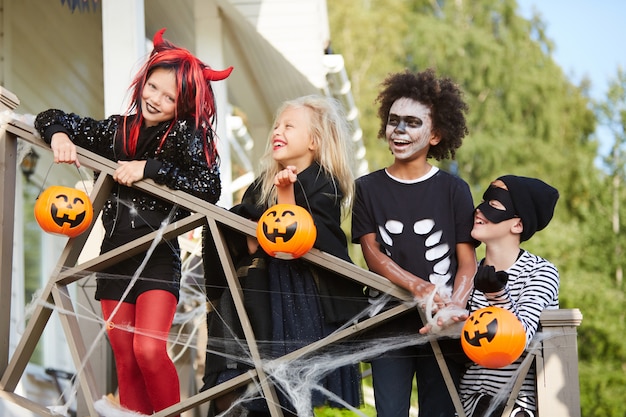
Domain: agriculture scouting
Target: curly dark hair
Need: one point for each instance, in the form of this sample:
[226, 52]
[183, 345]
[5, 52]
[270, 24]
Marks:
[441, 95]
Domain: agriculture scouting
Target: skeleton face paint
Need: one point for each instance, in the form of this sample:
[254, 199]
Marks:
[497, 205]
[409, 128]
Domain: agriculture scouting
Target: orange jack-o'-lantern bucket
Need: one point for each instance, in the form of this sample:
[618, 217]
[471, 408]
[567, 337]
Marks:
[493, 337]
[286, 231]
[63, 211]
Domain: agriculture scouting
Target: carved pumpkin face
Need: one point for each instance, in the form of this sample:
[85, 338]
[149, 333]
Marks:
[493, 337]
[286, 231]
[63, 211]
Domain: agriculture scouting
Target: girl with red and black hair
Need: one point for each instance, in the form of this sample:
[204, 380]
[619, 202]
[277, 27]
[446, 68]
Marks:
[166, 135]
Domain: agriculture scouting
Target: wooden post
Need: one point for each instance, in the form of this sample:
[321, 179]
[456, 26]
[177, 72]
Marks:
[8, 100]
[8, 159]
[558, 389]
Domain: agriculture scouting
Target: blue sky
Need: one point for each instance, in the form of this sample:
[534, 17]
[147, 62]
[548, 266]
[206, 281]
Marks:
[589, 37]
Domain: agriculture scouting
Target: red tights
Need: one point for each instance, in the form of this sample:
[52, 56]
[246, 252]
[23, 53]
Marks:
[146, 376]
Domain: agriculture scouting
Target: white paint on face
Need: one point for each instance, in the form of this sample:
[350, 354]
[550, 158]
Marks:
[409, 128]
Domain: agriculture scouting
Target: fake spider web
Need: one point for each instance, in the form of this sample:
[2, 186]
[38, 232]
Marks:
[297, 379]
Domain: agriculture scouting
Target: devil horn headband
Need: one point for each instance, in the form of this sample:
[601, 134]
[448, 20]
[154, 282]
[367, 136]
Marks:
[209, 74]
[157, 40]
[213, 75]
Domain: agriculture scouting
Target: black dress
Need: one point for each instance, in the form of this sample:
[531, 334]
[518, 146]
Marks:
[291, 303]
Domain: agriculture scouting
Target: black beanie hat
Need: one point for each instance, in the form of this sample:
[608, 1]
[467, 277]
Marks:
[534, 202]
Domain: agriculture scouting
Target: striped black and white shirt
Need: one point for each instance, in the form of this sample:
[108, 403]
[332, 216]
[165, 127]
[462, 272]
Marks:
[533, 286]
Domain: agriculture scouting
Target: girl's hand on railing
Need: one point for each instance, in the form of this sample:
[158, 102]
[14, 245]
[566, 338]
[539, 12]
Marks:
[63, 149]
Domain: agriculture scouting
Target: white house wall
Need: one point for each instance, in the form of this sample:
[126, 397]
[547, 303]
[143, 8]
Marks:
[52, 58]
[297, 28]
[51, 52]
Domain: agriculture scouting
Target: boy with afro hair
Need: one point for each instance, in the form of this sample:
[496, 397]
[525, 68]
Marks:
[414, 222]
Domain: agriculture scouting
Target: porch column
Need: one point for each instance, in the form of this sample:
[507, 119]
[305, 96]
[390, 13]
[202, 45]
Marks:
[209, 48]
[558, 389]
[8, 159]
[123, 49]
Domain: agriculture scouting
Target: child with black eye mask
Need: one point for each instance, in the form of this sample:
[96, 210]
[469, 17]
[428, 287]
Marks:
[497, 215]
[513, 209]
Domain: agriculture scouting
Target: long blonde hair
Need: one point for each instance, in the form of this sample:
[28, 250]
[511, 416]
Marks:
[330, 132]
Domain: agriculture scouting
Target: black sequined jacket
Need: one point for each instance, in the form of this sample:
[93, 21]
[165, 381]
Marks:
[180, 164]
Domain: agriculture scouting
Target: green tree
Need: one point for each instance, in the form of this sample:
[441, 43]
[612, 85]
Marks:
[612, 115]
[369, 34]
[525, 118]
[602, 349]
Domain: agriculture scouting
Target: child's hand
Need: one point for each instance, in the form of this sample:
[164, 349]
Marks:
[252, 243]
[446, 317]
[286, 177]
[129, 172]
[488, 280]
[63, 149]
[284, 181]
[423, 290]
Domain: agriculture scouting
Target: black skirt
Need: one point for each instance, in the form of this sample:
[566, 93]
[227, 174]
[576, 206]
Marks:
[282, 301]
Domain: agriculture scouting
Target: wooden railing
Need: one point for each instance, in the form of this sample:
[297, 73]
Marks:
[557, 360]
[558, 390]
